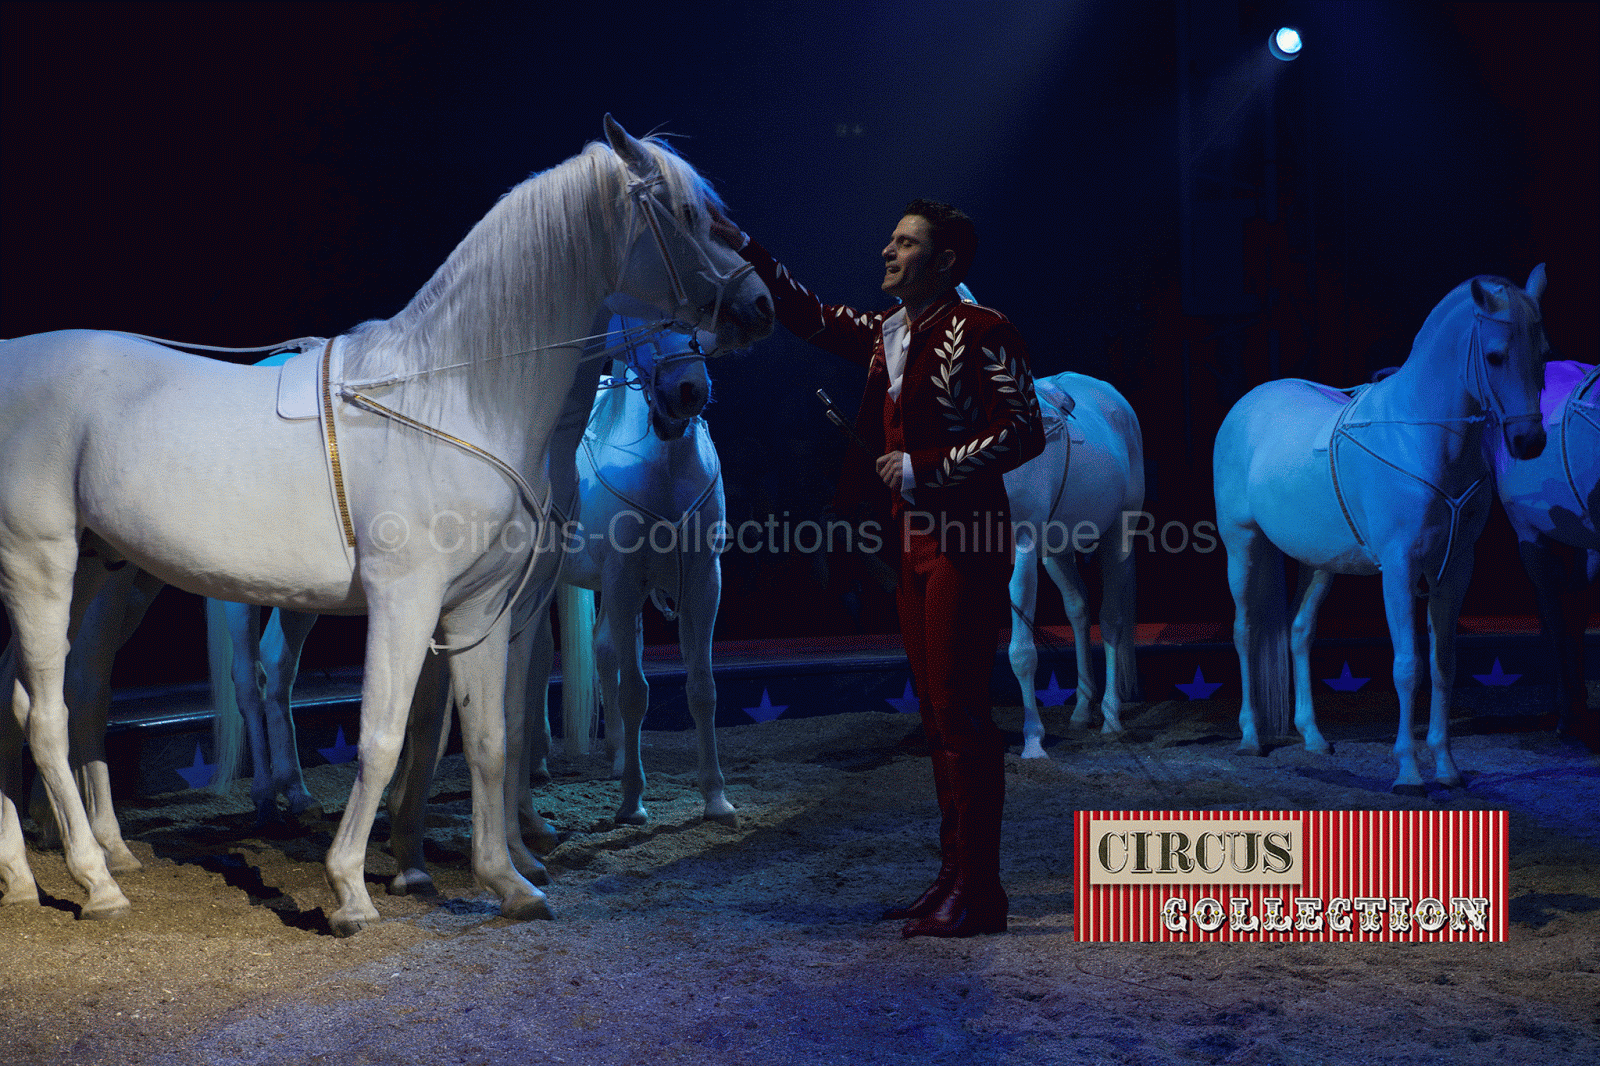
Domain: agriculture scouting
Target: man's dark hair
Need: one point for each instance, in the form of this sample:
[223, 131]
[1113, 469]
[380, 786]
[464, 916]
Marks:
[951, 228]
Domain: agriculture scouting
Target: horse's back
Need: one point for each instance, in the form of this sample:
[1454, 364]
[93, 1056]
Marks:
[179, 462]
[1092, 479]
[1270, 472]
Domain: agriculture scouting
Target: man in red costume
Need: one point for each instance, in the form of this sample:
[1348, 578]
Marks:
[949, 408]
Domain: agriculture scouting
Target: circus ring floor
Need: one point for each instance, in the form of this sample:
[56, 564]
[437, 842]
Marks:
[685, 941]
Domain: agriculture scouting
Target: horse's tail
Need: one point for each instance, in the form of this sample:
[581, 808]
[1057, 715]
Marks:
[227, 722]
[580, 695]
[1271, 678]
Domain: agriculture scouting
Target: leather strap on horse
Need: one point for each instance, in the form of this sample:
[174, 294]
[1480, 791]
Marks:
[1574, 401]
[333, 447]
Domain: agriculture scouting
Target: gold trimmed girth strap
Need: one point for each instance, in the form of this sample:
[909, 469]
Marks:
[333, 447]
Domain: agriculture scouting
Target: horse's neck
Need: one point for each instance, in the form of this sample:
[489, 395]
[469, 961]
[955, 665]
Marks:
[1423, 414]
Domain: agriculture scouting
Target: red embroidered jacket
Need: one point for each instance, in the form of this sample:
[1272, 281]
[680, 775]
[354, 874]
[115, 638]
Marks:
[967, 402]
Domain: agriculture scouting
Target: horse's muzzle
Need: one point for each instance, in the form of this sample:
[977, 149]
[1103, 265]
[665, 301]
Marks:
[1525, 438]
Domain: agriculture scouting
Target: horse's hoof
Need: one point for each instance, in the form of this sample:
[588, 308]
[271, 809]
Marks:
[412, 883]
[533, 870]
[1415, 790]
[343, 926]
[726, 815]
[1112, 727]
[1032, 749]
[545, 842]
[1246, 748]
[1321, 748]
[106, 912]
[123, 861]
[21, 898]
[527, 908]
[632, 816]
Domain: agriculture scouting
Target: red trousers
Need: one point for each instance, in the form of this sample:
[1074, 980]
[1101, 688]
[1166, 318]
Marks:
[950, 610]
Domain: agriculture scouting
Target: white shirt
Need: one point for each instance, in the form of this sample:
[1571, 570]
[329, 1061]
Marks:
[896, 348]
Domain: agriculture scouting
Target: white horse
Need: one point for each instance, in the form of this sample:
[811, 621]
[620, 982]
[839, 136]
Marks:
[396, 501]
[1553, 502]
[1393, 480]
[652, 494]
[1071, 499]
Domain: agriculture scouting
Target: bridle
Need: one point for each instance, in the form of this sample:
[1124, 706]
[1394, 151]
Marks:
[643, 203]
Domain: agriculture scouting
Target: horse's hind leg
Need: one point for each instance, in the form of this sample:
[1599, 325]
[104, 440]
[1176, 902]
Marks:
[1024, 594]
[1301, 635]
[281, 644]
[15, 875]
[1118, 603]
[1260, 625]
[696, 619]
[1063, 570]
[519, 744]
[39, 593]
[427, 731]
[108, 622]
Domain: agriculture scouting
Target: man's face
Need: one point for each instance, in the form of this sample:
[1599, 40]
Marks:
[911, 270]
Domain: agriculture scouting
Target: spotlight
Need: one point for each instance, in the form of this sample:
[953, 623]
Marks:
[1285, 44]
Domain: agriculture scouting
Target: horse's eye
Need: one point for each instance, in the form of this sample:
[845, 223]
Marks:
[1495, 358]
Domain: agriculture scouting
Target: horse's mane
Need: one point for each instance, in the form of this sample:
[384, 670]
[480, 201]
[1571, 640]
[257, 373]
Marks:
[527, 276]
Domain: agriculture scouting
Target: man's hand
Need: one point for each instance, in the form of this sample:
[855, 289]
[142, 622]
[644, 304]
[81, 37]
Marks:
[723, 228]
[891, 468]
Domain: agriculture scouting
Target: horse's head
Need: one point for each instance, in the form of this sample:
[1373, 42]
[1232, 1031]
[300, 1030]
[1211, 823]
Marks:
[1506, 360]
[671, 370]
[673, 263]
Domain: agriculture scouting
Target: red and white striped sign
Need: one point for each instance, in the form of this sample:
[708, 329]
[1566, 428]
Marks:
[1324, 876]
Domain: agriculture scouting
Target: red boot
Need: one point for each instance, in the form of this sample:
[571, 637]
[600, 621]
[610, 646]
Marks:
[929, 901]
[976, 903]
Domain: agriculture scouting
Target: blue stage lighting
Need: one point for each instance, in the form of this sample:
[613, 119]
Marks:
[1285, 43]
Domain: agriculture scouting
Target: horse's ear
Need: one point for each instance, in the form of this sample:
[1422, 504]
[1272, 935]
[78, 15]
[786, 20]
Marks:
[1485, 297]
[1535, 284]
[631, 150]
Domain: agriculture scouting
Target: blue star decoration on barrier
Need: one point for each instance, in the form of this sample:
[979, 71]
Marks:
[200, 773]
[342, 750]
[1199, 688]
[765, 711]
[1497, 676]
[1344, 682]
[1055, 695]
[906, 704]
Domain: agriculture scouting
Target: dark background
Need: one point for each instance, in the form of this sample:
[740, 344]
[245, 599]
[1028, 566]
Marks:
[1161, 204]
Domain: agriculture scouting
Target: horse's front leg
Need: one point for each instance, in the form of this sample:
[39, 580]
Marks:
[478, 679]
[1444, 609]
[400, 621]
[1023, 652]
[427, 731]
[1302, 634]
[619, 648]
[281, 644]
[697, 617]
[1400, 606]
